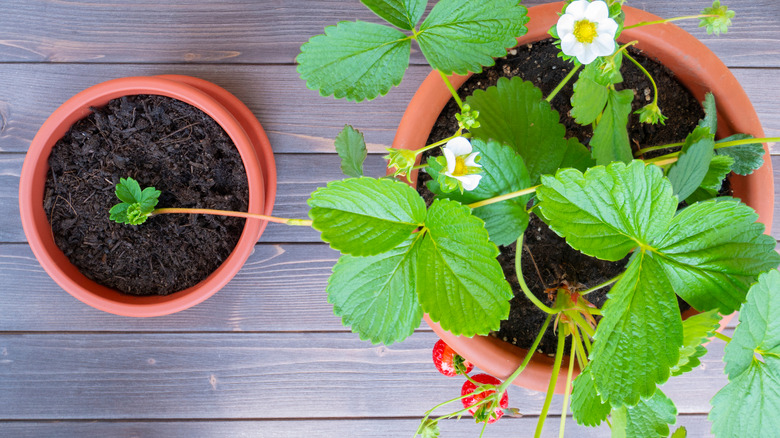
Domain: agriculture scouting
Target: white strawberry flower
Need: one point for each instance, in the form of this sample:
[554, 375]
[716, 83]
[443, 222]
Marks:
[461, 162]
[586, 31]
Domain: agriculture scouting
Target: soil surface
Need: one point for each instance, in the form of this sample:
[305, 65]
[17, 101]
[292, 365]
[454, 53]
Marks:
[547, 260]
[160, 142]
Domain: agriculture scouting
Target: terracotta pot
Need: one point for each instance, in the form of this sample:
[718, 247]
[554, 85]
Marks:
[695, 66]
[232, 115]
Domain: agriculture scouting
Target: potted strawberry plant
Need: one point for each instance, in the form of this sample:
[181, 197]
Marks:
[507, 160]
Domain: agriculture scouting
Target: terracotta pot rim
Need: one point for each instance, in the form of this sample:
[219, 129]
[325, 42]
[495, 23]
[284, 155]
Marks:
[220, 105]
[698, 69]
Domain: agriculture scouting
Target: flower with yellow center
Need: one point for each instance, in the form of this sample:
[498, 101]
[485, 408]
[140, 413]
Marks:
[586, 31]
[461, 162]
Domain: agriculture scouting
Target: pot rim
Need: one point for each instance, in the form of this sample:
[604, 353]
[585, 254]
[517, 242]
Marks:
[697, 67]
[33, 176]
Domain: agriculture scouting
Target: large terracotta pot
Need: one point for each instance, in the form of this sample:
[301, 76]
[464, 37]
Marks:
[695, 66]
[232, 115]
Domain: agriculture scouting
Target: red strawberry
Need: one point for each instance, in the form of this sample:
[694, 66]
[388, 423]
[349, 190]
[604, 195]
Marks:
[448, 362]
[482, 413]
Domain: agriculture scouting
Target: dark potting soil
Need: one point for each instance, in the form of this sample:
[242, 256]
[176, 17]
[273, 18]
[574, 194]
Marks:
[547, 260]
[160, 142]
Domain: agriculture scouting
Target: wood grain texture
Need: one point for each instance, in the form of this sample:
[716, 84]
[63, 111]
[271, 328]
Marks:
[187, 31]
[237, 375]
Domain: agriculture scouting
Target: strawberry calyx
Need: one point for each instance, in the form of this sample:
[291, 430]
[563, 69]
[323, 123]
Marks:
[489, 411]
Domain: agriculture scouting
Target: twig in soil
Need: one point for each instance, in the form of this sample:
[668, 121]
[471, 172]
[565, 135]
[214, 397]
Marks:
[178, 131]
[525, 246]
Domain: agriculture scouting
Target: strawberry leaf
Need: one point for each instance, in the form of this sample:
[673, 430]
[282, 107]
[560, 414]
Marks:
[720, 166]
[747, 157]
[503, 171]
[401, 13]
[128, 190]
[610, 137]
[514, 113]
[589, 97]
[650, 418]
[375, 295]
[355, 59]
[693, 163]
[459, 281]
[681, 432]
[749, 403]
[351, 148]
[710, 119]
[696, 330]
[366, 216]
[461, 36]
[586, 404]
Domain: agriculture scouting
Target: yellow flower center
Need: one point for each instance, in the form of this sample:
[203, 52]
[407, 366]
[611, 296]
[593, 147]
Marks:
[460, 167]
[585, 31]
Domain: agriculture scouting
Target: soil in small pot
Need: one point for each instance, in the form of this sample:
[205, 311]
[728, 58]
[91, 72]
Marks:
[160, 142]
[547, 260]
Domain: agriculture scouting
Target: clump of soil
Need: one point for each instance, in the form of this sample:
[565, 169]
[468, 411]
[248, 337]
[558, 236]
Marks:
[547, 260]
[160, 142]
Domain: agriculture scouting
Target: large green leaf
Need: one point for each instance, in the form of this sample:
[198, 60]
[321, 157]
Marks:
[577, 156]
[650, 418]
[355, 59]
[747, 157]
[460, 36]
[503, 171]
[366, 216]
[696, 330]
[402, 13]
[713, 251]
[376, 295]
[351, 147]
[589, 97]
[514, 113]
[710, 119]
[720, 166]
[749, 404]
[610, 138]
[639, 338]
[610, 210]
[693, 163]
[586, 405]
[459, 281]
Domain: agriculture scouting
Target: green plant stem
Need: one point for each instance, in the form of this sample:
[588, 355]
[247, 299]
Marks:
[441, 142]
[668, 20]
[567, 391]
[431, 410]
[503, 197]
[452, 90]
[649, 76]
[278, 220]
[521, 280]
[582, 355]
[553, 381]
[600, 286]
[582, 324]
[722, 337]
[722, 145]
[563, 83]
[527, 358]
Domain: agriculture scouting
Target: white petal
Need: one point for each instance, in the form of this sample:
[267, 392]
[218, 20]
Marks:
[588, 55]
[607, 26]
[603, 46]
[568, 44]
[459, 146]
[596, 11]
[450, 161]
[470, 160]
[565, 25]
[577, 9]
[470, 182]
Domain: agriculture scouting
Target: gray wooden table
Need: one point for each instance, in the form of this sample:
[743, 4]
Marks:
[265, 356]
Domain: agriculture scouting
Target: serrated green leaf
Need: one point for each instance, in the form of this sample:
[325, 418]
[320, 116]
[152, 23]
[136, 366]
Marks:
[355, 59]
[459, 281]
[589, 97]
[503, 171]
[687, 174]
[713, 252]
[717, 18]
[118, 213]
[610, 137]
[149, 198]
[351, 147]
[366, 216]
[696, 330]
[638, 339]
[720, 166]
[461, 36]
[586, 405]
[710, 119]
[402, 13]
[375, 296]
[747, 157]
[128, 190]
[681, 432]
[650, 418]
[608, 211]
[749, 404]
[577, 156]
[514, 113]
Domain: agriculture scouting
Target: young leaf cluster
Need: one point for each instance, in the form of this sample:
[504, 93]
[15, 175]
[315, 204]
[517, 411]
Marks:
[136, 206]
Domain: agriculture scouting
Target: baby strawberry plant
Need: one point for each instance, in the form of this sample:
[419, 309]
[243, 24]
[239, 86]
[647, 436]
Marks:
[510, 159]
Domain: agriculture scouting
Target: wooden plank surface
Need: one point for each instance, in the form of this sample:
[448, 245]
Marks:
[239, 375]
